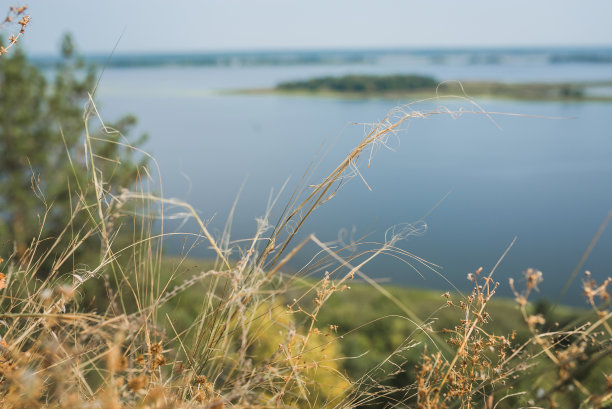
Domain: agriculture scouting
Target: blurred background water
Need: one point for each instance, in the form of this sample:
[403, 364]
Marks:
[545, 177]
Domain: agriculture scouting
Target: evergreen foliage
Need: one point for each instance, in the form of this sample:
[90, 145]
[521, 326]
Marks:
[42, 126]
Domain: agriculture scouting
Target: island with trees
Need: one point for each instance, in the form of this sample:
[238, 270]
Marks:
[419, 86]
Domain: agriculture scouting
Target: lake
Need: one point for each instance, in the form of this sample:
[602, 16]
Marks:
[545, 177]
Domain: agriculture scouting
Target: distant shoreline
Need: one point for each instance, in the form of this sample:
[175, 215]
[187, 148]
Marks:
[492, 56]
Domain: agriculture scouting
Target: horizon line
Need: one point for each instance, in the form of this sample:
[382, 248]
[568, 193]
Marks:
[408, 49]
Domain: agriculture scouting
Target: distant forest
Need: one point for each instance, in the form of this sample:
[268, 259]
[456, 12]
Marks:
[338, 57]
[362, 84]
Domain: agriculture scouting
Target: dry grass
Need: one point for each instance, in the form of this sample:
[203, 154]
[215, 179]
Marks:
[15, 17]
[248, 345]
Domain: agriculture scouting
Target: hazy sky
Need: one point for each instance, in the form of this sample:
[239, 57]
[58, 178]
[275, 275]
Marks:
[206, 25]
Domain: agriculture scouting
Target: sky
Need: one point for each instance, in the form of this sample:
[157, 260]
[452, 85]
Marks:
[232, 25]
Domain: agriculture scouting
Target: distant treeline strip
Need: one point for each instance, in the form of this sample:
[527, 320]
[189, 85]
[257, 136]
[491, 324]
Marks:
[491, 57]
[418, 85]
[362, 84]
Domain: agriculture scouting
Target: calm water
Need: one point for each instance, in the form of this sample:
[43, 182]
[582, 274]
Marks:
[546, 181]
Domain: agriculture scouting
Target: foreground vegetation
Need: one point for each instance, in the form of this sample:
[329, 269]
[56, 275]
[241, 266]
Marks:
[414, 86]
[414, 321]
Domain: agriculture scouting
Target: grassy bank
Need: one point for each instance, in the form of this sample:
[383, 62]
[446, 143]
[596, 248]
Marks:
[383, 324]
